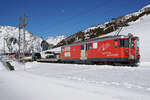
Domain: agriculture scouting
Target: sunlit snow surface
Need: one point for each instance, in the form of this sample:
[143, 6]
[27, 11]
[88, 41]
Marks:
[55, 40]
[49, 81]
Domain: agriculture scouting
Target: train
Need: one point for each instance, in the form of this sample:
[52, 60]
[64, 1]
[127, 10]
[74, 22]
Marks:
[114, 50]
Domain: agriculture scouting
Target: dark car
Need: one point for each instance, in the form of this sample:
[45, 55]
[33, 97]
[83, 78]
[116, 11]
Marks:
[36, 56]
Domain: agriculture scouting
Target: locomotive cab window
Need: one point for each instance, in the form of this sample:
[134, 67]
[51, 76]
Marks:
[123, 43]
[132, 44]
[137, 43]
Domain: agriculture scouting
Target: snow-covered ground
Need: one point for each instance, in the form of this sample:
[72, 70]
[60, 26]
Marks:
[46, 81]
[2, 66]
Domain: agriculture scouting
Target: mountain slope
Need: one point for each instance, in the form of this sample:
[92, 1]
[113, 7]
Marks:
[141, 29]
[102, 29]
[9, 41]
[55, 40]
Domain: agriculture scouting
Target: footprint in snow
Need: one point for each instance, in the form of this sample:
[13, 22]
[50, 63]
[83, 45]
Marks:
[115, 83]
[148, 89]
[128, 85]
[105, 83]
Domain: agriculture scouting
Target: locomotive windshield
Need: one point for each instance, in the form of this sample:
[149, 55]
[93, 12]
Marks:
[124, 43]
[137, 43]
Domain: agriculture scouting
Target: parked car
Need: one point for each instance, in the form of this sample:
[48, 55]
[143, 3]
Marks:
[28, 57]
[47, 54]
[50, 55]
[13, 55]
[36, 56]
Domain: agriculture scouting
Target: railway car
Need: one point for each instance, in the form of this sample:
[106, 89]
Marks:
[120, 49]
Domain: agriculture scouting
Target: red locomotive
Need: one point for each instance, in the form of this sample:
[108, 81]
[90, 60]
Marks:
[119, 49]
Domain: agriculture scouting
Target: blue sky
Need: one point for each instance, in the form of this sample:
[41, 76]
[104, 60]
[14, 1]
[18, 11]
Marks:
[64, 17]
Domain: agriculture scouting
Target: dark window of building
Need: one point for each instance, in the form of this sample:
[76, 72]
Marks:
[82, 47]
[90, 46]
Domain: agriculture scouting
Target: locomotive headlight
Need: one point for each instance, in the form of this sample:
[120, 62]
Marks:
[131, 56]
[126, 51]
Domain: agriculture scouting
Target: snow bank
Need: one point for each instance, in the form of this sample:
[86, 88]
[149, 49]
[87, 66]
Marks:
[25, 86]
[23, 66]
[2, 67]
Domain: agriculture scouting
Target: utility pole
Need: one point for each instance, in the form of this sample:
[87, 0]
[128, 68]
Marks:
[24, 39]
[4, 45]
[5, 39]
[19, 41]
[22, 25]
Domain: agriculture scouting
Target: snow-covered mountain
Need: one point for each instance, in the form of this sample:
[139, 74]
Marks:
[107, 27]
[55, 40]
[9, 40]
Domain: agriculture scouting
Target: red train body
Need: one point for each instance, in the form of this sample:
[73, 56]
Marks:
[110, 50]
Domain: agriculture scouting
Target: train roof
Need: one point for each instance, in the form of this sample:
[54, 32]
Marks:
[101, 39]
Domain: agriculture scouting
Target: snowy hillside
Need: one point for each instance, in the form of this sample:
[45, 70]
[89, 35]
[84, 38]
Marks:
[107, 27]
[55, 40]
[9, 36]
[122, 18]
[9, 40]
